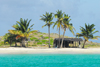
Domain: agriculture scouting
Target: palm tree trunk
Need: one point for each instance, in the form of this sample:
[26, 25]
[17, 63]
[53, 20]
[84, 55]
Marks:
[23, 42]
[15, 44]
[62, 39]
[10, 43]
[59, 38]
[84, 44]
[27, 43]
[49, 35]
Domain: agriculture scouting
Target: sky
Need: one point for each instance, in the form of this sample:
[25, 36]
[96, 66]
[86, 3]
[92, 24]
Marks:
[80, 12]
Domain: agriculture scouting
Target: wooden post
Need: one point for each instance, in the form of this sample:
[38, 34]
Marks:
[73, 43]
[79, 44]
[27, 43]
[64, 45]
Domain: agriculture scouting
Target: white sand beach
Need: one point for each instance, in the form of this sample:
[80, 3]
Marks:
[13, 50]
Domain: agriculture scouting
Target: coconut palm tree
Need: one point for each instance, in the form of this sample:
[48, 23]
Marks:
[22, 30]
[67, 25]
[47, 18]
[10, 38]
[87, 33]
[59, 16]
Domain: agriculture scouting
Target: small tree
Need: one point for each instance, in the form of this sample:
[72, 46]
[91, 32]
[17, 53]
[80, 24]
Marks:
[22, 30]
[87, 33]
[10, 38]
[47, 18]
[67, 25]
[58, 23]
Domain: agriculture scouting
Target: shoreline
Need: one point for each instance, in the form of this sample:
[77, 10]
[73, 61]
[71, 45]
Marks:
[49, 51]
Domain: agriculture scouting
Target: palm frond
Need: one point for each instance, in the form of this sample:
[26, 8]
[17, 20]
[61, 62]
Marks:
[27, 23]
[16, 32]
[44, 25]
[96, 37]
[47, 18]
[54, 24]
[95, 32]
[31, 26]
[88, 32]
[34, 31]
[22, 28]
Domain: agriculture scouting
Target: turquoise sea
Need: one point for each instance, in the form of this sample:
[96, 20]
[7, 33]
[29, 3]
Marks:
[50, 60]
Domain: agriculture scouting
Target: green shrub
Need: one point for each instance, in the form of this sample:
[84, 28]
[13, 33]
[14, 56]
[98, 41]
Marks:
[28, 41]
[33, 38]
[41, 36]
[44, 33]
[91, 45]
[35, 33]
[44, 41]
[46, 37]
[40, 32]
[39, 42]
[2, 43]
[51, 41]
[34, 45]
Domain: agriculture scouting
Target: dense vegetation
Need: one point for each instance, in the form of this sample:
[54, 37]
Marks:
[88, 33]
[25, 36]
[40, 39]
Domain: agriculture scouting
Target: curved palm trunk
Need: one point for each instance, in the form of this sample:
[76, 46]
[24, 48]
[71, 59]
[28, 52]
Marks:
[23, 42]
[27, 43]
[49, 35]
[84, 44]
[59, 38]
[62, 39]
[15, 44]
[10, 43]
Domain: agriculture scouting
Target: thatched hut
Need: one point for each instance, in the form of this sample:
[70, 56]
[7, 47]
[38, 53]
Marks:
[74, 42]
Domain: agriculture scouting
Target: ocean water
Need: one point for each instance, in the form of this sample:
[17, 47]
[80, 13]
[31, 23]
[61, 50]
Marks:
[50, 60]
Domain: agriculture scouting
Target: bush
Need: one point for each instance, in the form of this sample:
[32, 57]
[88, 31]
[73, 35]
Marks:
[44, 41]
[39, 42]
[2, 43]
[41, 36]
[93, 46]
[40, 32]
[35, 33]
[28, 41]
[34, 45]
[44, 33]
[51, 41]
[33, 38]
[46, 37]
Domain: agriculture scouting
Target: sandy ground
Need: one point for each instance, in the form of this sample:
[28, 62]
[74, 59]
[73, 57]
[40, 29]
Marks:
[13, 50]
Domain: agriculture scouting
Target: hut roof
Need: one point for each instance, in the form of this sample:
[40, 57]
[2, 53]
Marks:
[70, 39]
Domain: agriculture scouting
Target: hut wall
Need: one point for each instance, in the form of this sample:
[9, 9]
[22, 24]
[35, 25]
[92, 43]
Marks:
[73, 41]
